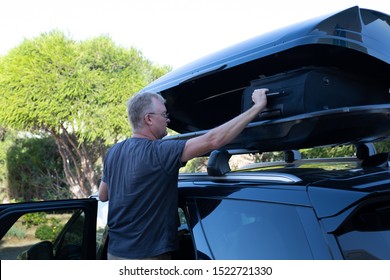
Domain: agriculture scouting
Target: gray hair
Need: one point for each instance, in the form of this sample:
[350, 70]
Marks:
[139, 105]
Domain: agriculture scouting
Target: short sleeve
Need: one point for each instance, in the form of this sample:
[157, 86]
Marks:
[169, 153]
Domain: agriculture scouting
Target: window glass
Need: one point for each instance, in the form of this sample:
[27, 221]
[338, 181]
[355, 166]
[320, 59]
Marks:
[366, 235]
[31, 229]
[237, 229]
[70, 245]
[182, 217]
[185, 249]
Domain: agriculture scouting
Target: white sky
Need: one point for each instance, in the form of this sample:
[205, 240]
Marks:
[172, 32]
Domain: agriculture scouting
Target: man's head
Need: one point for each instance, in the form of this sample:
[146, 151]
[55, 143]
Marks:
[147, 111]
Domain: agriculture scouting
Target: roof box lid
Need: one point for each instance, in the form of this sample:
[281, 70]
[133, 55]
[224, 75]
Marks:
[208, 91]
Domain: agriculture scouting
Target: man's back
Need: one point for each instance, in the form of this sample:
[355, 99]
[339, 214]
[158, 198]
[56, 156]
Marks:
[142, 181]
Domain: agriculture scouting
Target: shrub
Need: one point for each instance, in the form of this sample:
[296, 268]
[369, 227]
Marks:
[44, 232]
[49, 230]
[35, 170]
[34, 219]
[17, 232]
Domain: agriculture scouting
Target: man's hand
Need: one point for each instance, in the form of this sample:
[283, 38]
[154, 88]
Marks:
[259, 97]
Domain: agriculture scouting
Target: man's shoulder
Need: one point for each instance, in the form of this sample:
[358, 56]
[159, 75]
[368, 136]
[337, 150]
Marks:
[171, 142]
[118, 145]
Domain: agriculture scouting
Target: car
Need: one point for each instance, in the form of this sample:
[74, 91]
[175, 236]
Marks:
[296, 208]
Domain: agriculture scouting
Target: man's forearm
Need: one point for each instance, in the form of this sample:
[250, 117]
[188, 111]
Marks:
[226, 132]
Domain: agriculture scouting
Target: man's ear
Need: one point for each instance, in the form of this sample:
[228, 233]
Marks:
[147, 119]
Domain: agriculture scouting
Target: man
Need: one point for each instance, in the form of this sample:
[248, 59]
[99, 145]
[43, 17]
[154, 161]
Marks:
[140, 176]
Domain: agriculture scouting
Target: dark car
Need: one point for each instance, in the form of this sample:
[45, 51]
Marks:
[326, 208]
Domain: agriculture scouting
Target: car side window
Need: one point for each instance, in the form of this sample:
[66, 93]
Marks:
[366, 234]
[185, 246]
[34, 231]
[69, 246]
[237, 229]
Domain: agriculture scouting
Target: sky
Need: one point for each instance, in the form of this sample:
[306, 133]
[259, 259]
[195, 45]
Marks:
[167, 32]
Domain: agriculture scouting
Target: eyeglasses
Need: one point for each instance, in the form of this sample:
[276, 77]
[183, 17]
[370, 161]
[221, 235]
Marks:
[164, 114]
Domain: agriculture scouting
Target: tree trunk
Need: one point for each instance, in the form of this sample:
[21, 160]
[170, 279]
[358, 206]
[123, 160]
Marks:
[78, 164]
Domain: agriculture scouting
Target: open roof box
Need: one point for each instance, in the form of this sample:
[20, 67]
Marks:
[355, 42]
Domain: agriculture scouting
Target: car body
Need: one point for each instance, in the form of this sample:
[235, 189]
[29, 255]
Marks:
[293, 209]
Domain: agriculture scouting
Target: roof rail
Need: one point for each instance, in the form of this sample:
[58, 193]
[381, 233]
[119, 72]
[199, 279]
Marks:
[245, 177]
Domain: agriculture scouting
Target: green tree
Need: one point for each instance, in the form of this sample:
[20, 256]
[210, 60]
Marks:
[76, 93]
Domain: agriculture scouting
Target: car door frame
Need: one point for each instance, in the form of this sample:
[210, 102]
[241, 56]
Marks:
[10, 213]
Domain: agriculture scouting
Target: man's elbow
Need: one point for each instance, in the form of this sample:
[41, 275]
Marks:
[102, 197]
[103, 192]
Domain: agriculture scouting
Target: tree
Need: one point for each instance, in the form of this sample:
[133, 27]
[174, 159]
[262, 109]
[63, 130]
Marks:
[75, 92]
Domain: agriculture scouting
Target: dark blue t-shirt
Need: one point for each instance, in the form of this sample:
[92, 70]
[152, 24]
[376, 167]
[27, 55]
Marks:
[142, 176]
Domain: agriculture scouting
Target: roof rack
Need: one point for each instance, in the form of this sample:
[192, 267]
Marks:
[218, 163]
[377, 160]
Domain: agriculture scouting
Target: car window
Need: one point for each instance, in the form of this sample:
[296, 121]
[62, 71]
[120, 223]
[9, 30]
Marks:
[31, 229]
[69, 246]
[366, 235]
[185, 249]
[182, 218]
[237, 229]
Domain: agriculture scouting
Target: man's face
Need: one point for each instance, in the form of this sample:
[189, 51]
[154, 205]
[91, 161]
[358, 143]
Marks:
[159, 118]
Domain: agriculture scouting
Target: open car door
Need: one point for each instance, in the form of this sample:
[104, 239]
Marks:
[62, 229]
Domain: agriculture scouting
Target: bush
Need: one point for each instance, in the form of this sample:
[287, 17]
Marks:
[50, 230]
[35, 170]
[44, 232]
[34, 219]
[17, 232]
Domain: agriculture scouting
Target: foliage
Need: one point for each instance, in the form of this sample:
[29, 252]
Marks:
[195, 165]
[46, 228]
[35, 170]
[34, 219]
[382, 147]
[16, 231]
[44, 232]
[53, 82]
[7, 140]
[329, 152]
[76, 92]
[49, 231]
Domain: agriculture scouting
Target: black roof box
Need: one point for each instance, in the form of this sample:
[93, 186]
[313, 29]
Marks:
[208, 91]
